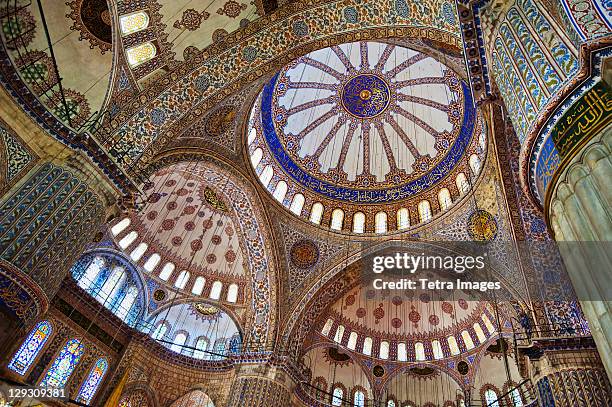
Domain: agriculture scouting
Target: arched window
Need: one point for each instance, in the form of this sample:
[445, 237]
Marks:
[127, 302]
[488, 324]
[139, 251]
[215, 291]
[337, 396]
[256, 157]
[367, 346]
[380, 222]
[491, 398]
[181, 280]
[444, 198]
[479, 333]
[200, 345]
[316, 213]
[337, 219]
[120, 226]
[402, 354]
[352, 342]
[166, 272]
[437, 349]
[152, 262]
[141, 53]
[232, 293]
[198, 285]
[452, 345]
[403, 218]
[64, 364]
[359, 399]
[424, 211]
[160, 331]
[179, 340]
[384, 350]
[91, 273]
[327, 327]
[111, 286]
[297, 204]
[359, 222]
[280, 191]
[134, 22]
[30, 348]
[339, 334]
[475, 164]
[419, 351]
[252, 136]
[91, 384]
[515, 398]
[467, 339]
[266, 175]
[128, 239]
[462, 183]
[219, 349]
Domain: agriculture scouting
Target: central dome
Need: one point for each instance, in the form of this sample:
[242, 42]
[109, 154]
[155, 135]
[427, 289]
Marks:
[363, 123]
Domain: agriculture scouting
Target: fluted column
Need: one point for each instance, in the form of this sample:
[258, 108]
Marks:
[45, 221]
[580, 214]
[256, 386]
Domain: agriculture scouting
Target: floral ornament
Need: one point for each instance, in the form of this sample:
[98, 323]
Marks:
[232, 9]
[191, 19]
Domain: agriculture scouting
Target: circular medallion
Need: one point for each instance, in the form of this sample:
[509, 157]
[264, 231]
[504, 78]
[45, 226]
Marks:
[159, 295]
[482, 226]
[220, 121]
[463, 367]
[365, 96]
[304, 254]
[378, 371]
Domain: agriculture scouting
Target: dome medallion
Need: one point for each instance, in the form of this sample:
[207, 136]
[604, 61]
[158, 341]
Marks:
[365, 96]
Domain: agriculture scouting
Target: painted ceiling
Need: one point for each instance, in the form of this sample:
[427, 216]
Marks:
[366, 116]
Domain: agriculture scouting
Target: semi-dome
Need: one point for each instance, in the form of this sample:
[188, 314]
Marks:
[363, 125]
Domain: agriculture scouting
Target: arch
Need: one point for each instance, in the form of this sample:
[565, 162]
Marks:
[452, 345]
[252, 136]
[112, 285]
[367, 346]
[256, 157]
[337, 395]
[196, 398]
[91, 273]
[280, 191]
[475, 164]
[182, 279]
[419, 351]
[482, 338]
[31, 347]
[160, 330]
[327, 327]
[359, 220]
[120, 226]
[316, 213]
[201, 345]
[359, 398]
[403, 218]
[139, 251]
[352, 342]
[491, 397]
[152, 262]
[198, 285]
[444, 199]
[383, 353]
[266, 175]
[232, 293]
[380, 222]
[488, 324]
[140, 54]
[166, 271]
[402, 354]
[297, 204]
[424, 211]
[180, 338]
[215, 291]
[339, 334]
[463, 185]
[92, 382]
[127, 302]
[437, 349]
[64, 364]
[337, 219]
[467, 340]
[134, 22]
[128, 239]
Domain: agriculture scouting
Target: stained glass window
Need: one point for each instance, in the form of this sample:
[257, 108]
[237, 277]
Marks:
[491, 398]
[201, 345]
[31, 347]
[64, 364]
[134, 22]
[91, 273]
[359, 399]
[91, 384]
[337, 397]
[141, 53]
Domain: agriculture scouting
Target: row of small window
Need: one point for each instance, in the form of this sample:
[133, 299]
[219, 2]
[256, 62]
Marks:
[132, 23]
[419, 347]
[167, 270]
[200, 348]
[337, 395]
[359, 218]
[63, 365]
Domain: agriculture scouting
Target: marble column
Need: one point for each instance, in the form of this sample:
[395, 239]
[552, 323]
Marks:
[580, 215]
[260, 386]
[45, 221]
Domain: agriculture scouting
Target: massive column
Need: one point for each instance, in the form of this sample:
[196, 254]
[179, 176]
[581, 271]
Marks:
[260, 386]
